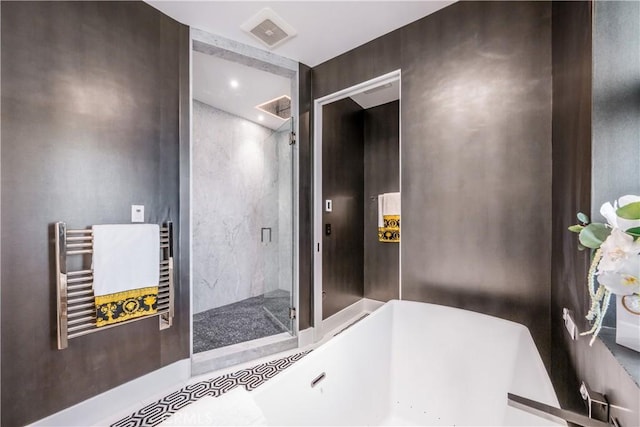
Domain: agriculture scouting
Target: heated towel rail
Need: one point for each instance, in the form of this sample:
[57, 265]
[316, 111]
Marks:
[74, 287]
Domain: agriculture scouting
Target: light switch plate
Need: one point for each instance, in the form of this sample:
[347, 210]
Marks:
[137, 213]
[570, 324]
[328, 205]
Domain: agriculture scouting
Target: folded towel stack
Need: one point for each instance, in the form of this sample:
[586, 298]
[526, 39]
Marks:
[389, 217]
[126, 271]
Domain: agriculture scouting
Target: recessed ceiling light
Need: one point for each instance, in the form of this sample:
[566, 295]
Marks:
[234, 83]
[279, 107]
[261, 118]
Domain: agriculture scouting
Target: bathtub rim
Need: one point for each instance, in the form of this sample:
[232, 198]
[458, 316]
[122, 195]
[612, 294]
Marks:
[522, 332]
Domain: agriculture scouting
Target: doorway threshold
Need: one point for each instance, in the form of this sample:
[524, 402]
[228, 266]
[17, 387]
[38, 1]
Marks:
[224, 357]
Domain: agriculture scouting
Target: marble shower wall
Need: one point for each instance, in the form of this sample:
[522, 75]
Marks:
[285, 210]
[236, 193]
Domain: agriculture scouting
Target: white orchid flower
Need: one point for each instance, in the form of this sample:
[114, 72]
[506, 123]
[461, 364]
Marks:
[608, 211]
[621, 283]
[617, 250]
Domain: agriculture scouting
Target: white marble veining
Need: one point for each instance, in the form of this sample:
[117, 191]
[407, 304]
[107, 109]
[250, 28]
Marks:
[237, 191]
[285, 211]
[259, 58]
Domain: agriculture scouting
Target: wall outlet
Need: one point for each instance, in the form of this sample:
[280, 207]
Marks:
[570, 324]
[137, 213]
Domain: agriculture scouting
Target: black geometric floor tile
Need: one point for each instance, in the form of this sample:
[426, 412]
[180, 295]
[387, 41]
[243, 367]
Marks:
[154, 413]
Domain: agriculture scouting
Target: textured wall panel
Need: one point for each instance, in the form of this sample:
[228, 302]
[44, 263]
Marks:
[476, 154]
[236, 193]
[616, 101]
[381, 175]
[305, 218]
[587, 172]
[342, 182]
[91, 123]
[476, 161]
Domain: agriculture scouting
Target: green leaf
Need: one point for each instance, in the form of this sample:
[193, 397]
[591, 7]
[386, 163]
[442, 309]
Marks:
[593, 235]
[630, 211]
[635, 231]
[580, 247]
[583, 218]
[576, 228]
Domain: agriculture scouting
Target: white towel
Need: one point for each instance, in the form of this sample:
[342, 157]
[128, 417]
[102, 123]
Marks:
[391, 204]
[380, 210]
[125, 257]
[234, 408]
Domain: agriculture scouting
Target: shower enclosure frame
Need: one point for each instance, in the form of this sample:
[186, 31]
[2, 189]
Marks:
[205, 42]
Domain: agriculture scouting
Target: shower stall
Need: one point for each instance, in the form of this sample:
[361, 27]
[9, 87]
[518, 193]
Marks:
[242, 236]
[243, 228]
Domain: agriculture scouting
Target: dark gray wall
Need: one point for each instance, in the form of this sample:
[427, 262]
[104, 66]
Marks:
[571, 184]
[578, 164]
[381, 175]
[343, 182]
[476, 154]
[476, 161]
[370, 60]
[616, 101]
[94, 118]
[305, 159]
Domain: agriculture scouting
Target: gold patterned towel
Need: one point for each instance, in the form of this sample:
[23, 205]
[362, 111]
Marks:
[126, 271]
[126, 305]
[390, 232]
[389, 217]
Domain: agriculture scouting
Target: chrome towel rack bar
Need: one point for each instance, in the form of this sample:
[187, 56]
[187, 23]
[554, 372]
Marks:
[76, 311]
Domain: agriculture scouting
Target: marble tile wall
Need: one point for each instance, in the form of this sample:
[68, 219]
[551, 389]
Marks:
[285, 210]
[236, 193]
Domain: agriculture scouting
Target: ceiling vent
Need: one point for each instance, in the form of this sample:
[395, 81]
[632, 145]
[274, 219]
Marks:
[269, 28]
[279, 107]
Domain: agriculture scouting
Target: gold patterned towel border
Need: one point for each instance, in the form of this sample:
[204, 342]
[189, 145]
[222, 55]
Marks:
[126, 305]
[390, 233]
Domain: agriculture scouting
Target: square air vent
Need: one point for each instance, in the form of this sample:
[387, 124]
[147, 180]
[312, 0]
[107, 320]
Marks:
[269, 28]
[279, 107]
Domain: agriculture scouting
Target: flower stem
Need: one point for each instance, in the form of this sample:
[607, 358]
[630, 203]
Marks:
[600, 299]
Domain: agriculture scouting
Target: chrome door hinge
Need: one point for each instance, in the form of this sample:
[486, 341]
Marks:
[292, 313]
[292, 138]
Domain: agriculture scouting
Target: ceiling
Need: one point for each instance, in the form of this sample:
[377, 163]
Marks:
[212, 84]
[379, 95]
[325, 29]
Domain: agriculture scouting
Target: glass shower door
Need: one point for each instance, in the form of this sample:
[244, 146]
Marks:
[243, 231]
[277, 239]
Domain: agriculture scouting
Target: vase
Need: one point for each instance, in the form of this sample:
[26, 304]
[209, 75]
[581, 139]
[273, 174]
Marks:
[628, 321]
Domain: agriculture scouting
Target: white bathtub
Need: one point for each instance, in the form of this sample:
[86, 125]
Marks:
[413, 364]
